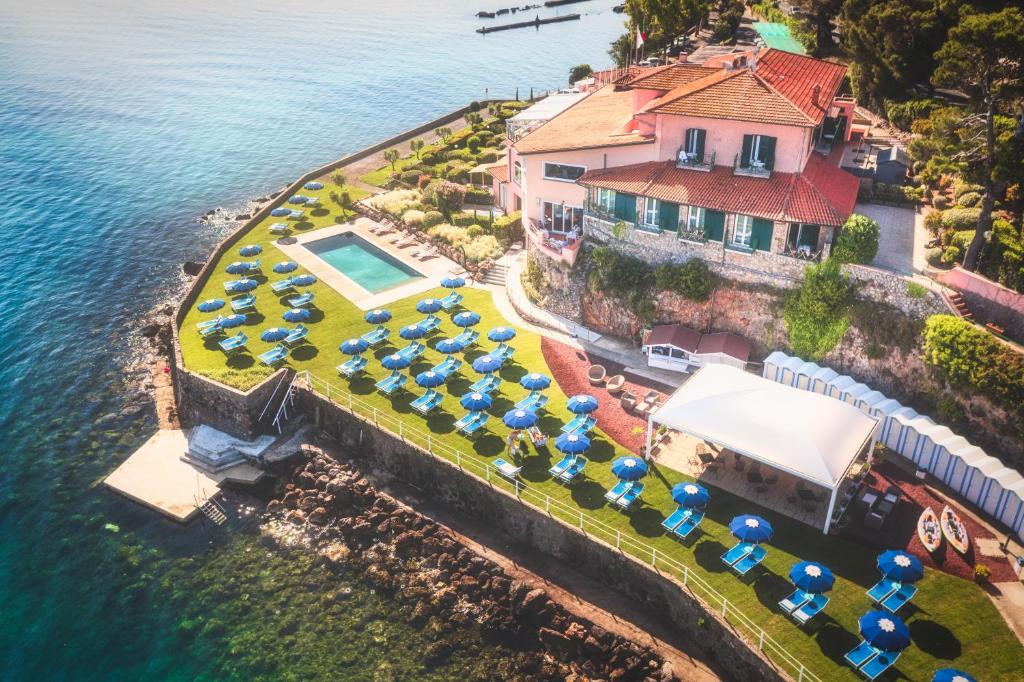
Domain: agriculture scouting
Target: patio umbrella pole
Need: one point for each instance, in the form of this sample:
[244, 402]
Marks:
[650, 425]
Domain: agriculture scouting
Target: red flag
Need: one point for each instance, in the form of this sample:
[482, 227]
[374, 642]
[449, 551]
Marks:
[641, 37]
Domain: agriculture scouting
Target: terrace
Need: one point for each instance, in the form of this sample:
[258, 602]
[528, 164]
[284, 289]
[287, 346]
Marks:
[954, 622]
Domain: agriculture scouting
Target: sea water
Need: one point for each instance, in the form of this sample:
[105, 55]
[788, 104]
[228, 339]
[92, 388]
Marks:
[121, 121]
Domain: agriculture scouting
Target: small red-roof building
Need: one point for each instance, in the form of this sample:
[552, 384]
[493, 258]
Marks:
[681, 349]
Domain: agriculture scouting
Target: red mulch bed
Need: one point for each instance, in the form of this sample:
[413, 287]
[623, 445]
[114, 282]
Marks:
[569, 366]
[900, 529]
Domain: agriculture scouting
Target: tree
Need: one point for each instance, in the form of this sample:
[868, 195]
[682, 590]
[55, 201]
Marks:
[579, 72]
[984, 57]
[816, 314]
[391, 156]
[448, 197]
[820, 15]
[339, 178]
[858, 240]
[416, 146]
[474, 119]
[444, 133]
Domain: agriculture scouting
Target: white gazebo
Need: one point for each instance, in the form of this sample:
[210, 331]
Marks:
[808, 435]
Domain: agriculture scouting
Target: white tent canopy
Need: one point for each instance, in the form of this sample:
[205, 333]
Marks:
[807, 434]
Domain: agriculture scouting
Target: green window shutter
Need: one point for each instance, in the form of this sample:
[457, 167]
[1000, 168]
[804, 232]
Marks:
[768, 152]
[714, 225]
[748, 143]
[668, 218]
[625, 207]
[761, 234]
[701, 137]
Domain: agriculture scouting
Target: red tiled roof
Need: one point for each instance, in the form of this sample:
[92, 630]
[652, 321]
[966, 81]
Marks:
[671, 76]
[597, 120]
[794, 77]
[823, 196]
[499, 171]
[674, 334]
[724, 342]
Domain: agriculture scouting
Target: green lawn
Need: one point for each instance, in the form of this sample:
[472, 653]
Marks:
[951, 620]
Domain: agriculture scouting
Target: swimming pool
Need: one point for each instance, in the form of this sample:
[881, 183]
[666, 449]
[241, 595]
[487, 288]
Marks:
[362, 262]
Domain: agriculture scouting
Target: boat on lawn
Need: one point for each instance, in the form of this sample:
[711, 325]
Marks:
[953, 529]
[928, 530]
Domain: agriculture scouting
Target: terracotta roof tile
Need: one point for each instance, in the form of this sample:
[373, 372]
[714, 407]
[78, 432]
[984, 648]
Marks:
[594, 121]
[794, 77]
[499, 171]
[671, 76]
[674, 334]
[725, 342]
[737, 95]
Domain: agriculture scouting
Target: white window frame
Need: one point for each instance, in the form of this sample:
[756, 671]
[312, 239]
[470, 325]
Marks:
[517, 173]
[695, 216]
[691, 142]
[606, 199]
[742, 227]
[755, 150]
[565, 165]
[651, 205]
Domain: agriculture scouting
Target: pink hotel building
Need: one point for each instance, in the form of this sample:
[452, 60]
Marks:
[727, 160]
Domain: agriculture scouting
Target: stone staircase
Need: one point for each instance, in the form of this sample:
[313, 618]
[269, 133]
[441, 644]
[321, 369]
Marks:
[959, 305]
[496, 275]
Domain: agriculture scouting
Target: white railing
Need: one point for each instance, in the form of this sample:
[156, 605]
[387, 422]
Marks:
[697, 586]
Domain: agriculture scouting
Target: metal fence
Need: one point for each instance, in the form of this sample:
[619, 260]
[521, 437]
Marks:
[697, 586]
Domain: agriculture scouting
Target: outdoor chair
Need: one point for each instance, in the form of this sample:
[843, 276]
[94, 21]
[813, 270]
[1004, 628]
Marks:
[242, 303]
[354, 366]
[450, 366]
[465, 421]
[573, 472]
[296, 336]
[618, 491]
[376, 336]
[429, 324]
[391, 383]
[861, 655]
[748, 562]
[412, 351]
[252, 268]
[533, 402]
[675, 519]
[738, 552]
[810, 609]
[451, 300]
[210, 327]
[881, 590]
[689, 525]
[615, 384]
[295, 214]
[879, 664]
[477, 426]
[641, 408]
[279, 228]
[487, 384]
[301, 301]
[427, 402]
[581, 423]
[795, 600]
[652, 397]
[507, 469]
[274, 355]
[503, 352]
[468, 338]
[562, 466]
[282, 286]
[596, 375]
[874, 520]
[631, 497]
[898, 599]
[234, 344]
[627, 400]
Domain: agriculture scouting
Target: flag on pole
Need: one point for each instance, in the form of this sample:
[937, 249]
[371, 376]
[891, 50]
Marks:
[641, 37]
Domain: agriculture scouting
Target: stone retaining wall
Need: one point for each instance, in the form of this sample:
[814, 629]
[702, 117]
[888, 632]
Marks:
[202, 400]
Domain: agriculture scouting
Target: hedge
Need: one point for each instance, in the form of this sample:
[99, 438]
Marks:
[961, 218]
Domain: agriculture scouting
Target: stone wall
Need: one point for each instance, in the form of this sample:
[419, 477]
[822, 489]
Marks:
[988, 301]
[205, 401]
[493, 506]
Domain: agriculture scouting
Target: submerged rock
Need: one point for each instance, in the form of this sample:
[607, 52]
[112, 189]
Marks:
[192, 268]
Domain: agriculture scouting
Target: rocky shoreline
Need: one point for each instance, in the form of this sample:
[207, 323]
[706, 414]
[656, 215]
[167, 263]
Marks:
[438, 583]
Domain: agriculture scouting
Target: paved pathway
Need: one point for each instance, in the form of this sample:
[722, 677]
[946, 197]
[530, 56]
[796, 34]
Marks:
[901, 238]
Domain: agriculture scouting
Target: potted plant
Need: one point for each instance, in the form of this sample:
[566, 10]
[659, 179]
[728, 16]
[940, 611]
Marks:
[981, 573]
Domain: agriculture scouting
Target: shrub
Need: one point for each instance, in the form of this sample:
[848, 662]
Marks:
[626, 278]
[1004, 261]
[857, 241]
[458, 173]
[413, 218]
[817, 313]
[915, 290]
[460, 155]
[448, 197]
[474, 106]
[933, 256]
[902, 114]
[579, 72]
[933, 221]
[968, 199]
[962, 187]
[479, 195]
[464, 219]
[473, 143]
[449, 233]
[410, 177]
[483, 248]
[487, 156]
[949, 411]
[693, 279]
[961, 239]
[474, 231]
[431, 158]
[431, 218]
[951, 256]
[940, 202]
[961, 218]
[396, 202]
[508, 228]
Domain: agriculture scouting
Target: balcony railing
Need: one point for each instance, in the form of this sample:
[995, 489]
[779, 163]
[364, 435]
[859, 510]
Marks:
[692, 235]
[693, 162]
[560, 247]
[754, 169]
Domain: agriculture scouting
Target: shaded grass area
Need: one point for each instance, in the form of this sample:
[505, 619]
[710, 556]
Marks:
[951, 620]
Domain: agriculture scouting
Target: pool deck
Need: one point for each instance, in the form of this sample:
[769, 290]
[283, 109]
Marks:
[432, 269]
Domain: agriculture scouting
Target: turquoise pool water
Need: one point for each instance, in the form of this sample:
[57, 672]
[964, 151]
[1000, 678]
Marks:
[362, 262]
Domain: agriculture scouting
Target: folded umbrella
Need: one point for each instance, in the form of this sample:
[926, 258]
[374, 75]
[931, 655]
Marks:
[749, 528]
[811, 576]
[211, 304]
[884, 631]
[520, 419]
[572, 443]
[629, 468]
[501, 334]
[274, 334]
[690, 494]
[296, 315]
[476, 401]
[535, 382]
[285, 267]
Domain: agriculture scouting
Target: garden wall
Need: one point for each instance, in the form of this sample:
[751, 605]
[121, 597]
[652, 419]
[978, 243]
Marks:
[988, 300]
[202, 400]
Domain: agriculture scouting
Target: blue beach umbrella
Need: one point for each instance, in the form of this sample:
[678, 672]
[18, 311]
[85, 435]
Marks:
[303, 280]
[501, 334]
[582, 404]
[313, 185]
[535, 381]
[285, 267]
[900, 566]
[378, 316]
[428, 306]
[749, 528]
[250, 250]
[211, 304]
[244, 285]
[430, 379]
[410, 332]
[449, 346]
[274, 334]
[476, 401]
[810, 576]
[466, 319]
[296, 315]
[690, 494]
[884, 631]
[485, 364]
[572, 443]
[395, 361]
[233, 321]
[453, 282]
[354, 346]
[236, 268]
[629, 468]
[297, 199]
[952, 675]
[281, 211]
[520, 419]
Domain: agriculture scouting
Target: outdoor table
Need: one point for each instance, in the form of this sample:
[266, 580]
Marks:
[705, 457]
[885, 507]
[868, 498]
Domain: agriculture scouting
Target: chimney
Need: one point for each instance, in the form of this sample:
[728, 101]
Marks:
[815, 94]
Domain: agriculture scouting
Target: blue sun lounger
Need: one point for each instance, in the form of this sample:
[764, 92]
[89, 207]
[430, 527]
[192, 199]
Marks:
[881, 590]
[429, 324]
[275, 355]
[296, 336]
[301, 301]
[229, 286]
[755, 557]
[898, 599]
[451, 300]
[412, 351]
[507, 469]
[573, 472]
[234, 344]
[631, 497]
[465, 420]
[353, 367]
[795, 600]
[563, 464]
[533, 402]
[252, 267]
[426, 402]
[295, 213]
[488, 384]
[282, 286]
[242, 303]
[736, 553]
[675, 519]
[468, 338]
[450, 366]
[376, 336]
[689, 525]
[861, 655]
[477, 426]
[581, 423]
[879, 664]
[618, 491]
[810, 609]
[391, 383]
[210, 327]
[279, 228]
[312, 201]
[503, 352]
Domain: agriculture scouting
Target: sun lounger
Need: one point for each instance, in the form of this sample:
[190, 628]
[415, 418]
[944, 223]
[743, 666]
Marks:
[755, 557]
[279, 228]
[301, 301]
[274, 355]
[738, 552]
[533, 402]
[312, 201]
[503, 352]
[487, 384]
[618, 491]
[631, 497]
[795, 600]
[413, 350]
[423, 252]
[468, 338]
[448, 367]
[507, 469]
[376, 336]
[861, 655]
[675, 519]
[573, 472]
[234, 344]
[251, 268]
[879, 664]
[391, 383]
[562, 465]
[882, 589]
[210, 327]
[296, 336]
[581, 423]
[429, 324]
[898, 599]
[282, 286]
[295, 214]
[465, 421]
[810, 609]
[451, 300]
[242, 303]
[353, 366]
[477, 426]
[426, 402]
[229, 286]
[381, 228]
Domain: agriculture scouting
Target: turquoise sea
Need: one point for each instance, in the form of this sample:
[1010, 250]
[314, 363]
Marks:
[121, 122]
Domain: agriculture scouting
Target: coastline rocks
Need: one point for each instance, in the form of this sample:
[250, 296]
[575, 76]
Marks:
[192, 268]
